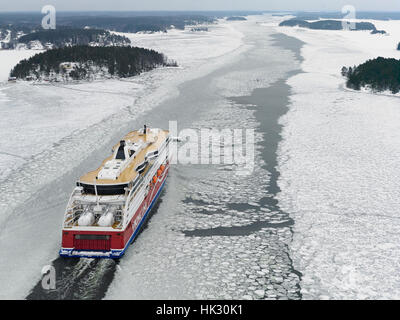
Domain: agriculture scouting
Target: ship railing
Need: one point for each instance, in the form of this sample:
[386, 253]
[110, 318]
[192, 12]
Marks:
[72, 218]
[73, 206]
[119, 216]
[74, 214]
[136, 190]
[142, 190]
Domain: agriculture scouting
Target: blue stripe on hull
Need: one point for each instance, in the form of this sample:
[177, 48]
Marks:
[113, 254]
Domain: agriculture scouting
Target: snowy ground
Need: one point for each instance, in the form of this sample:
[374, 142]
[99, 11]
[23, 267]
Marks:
[47, 130]
[183, 46]
[9, 58]
[340, 174]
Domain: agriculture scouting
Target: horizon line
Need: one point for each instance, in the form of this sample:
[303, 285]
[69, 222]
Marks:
[205, 10]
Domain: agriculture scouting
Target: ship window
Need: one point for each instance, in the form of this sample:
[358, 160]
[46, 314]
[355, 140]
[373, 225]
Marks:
[91, 237]
[131, 153]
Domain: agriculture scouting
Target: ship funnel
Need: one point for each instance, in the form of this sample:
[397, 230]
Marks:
[121, 151]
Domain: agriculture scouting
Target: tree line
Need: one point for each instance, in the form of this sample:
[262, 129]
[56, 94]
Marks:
[329, 25]
[118, 61]
[30, 25]
[379, 74]
[73, 37]
[137, 23]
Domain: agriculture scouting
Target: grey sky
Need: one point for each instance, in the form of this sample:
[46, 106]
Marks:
[135, 5]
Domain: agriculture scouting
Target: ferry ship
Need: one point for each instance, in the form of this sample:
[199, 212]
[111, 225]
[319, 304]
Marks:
[109, 206]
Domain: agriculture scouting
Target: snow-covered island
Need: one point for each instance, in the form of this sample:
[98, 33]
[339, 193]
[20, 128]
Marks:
[58, 38]
[236, 19]
[378, 75]
[88, 63]
[67, 37]
[330, 25]
[18, 30]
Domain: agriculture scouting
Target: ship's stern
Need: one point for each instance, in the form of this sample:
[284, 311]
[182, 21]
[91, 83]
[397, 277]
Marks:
[85, 244]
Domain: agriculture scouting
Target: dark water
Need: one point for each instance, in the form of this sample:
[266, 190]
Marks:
[270, 104]
[90, 278]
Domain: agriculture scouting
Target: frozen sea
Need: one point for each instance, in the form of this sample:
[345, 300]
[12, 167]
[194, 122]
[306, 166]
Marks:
[316, 219]
[340, 170]
[217, 234]
[54, 133]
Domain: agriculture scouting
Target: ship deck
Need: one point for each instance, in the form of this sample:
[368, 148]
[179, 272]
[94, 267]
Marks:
[154, 140]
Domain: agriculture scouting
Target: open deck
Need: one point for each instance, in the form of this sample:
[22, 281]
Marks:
[147, 143]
